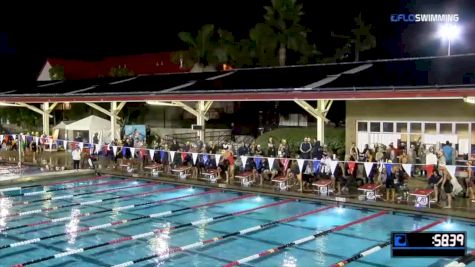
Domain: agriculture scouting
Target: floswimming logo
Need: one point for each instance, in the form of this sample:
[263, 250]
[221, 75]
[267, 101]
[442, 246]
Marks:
[424, 18]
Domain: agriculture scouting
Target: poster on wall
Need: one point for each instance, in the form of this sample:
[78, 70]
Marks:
[137, 133]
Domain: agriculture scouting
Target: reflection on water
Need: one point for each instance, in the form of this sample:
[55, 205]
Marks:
[71, 228]
[114, 215]
[320, 250]
[5, 205]
[47, 203]
[201, 229]
[289, 260]
[159, 244]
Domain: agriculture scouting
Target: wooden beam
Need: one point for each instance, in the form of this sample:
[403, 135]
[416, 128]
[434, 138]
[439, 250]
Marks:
[311, 110]
[51, 108]
[120, 107]
[33, 108]
[101, 109]
[189, 109]
[207, 106]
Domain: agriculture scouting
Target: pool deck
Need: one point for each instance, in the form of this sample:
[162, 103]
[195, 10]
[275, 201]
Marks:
[462, 208]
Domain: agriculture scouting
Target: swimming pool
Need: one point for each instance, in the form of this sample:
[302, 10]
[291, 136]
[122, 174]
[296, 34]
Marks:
[106, 221]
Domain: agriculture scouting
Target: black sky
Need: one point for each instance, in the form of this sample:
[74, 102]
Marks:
[91, 32]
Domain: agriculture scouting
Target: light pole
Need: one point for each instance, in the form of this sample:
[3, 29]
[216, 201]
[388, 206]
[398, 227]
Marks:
[449, 32]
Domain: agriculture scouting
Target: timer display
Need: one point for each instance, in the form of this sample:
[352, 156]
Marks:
[427, 244]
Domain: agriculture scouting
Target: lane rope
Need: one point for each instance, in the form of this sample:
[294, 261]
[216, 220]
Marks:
[82, 215]
[200, 244]
[303, 240]
[95, 201]
[380, 246]
[50, 190]
[148, 234]
[122, 222]
[463, 261]
[73, 196]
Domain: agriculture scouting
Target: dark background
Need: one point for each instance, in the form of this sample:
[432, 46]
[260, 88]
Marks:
[91, 32]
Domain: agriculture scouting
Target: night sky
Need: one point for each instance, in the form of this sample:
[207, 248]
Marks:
[91, 32]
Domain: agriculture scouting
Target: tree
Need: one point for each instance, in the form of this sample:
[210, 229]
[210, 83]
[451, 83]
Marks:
[284, 17]
[263, 45]
[56, 72]
[361, 39]
[24, 118]
[121, 71]
[200, 48]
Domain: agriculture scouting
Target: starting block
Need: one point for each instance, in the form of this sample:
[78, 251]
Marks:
[281, 183]
[323, 186]
[422, 197]
[211, 176]
[154, 169]
[182, 172]
[369, 191]
[246, 179]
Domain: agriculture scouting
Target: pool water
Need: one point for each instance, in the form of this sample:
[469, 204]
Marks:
[56, 237]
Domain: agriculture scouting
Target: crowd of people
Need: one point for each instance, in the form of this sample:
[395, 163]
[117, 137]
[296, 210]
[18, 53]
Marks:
[278, 159]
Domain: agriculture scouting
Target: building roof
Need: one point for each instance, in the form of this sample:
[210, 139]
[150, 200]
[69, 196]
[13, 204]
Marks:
[140, 64]
[430, 77]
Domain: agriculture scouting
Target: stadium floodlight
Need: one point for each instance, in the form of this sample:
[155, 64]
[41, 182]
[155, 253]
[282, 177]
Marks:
[449, 32]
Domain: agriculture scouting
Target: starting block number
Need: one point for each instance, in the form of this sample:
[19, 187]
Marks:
[422, 201]
[323, 190]
[370, 195]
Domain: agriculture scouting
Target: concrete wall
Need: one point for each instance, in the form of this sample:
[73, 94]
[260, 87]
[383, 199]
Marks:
[405, 110]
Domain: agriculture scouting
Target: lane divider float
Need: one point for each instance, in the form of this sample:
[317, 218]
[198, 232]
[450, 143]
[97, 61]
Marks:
[121, 222]
[50, 184]
[95, 201]
[200, 244]
[380, 246]
[151, 233]
[87, 214]
[303, 240]
[73, 196]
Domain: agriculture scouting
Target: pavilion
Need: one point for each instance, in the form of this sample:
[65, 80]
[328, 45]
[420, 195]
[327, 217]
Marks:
[429, 91]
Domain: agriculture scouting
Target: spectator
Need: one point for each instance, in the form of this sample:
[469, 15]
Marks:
[354, 151]
[447, 186]
[448, 153]
[470, 181]
[433, 182]
[305, 148]
[76, 154]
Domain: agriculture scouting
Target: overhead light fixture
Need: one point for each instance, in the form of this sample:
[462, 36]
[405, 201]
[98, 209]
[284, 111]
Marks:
[469, 99]
[160, 103]
[450, 33]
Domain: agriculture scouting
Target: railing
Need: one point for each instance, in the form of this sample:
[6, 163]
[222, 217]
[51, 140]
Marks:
[219, 136]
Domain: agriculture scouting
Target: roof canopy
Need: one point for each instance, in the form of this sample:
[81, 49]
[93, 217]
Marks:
[432, 77]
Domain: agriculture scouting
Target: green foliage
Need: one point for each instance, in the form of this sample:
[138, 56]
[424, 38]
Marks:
[266, 46]
[361, 39]
[334, 138]
[201, 48]
[78, 111]
[56, 72]
[23, 117]
[284, 19]
[121, 71]
[364, 39]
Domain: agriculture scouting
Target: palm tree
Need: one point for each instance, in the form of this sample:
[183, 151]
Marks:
[284, 17]
[361, 39]
[262, 45]
[364, 39]
[200, 48]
